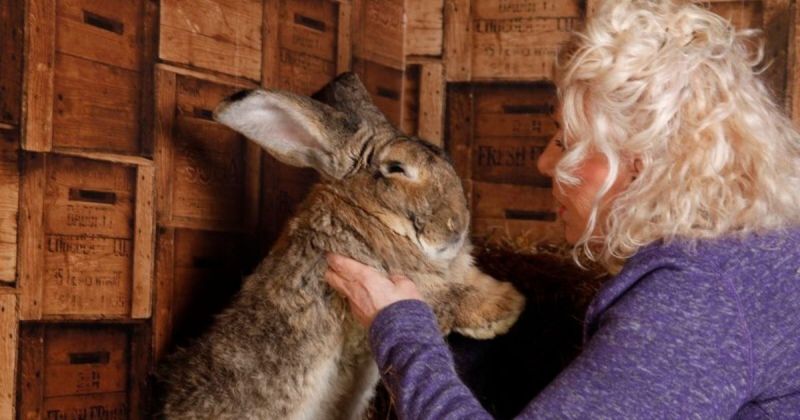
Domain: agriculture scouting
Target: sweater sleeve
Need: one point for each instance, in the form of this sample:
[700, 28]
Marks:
[668, 350]
[417, 367]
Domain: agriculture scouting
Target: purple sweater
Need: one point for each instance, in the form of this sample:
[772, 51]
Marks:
[704, 330]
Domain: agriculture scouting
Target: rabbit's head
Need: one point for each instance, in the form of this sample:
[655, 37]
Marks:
[406, 182]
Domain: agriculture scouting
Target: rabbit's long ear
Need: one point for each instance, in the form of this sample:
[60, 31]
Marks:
[347, 94]
[294, 129]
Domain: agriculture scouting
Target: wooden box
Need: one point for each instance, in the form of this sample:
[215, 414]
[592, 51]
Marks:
[9, 204]
[11, 41]
[218, 35]
[412, 99]
[85, 238]
[207, 173]
[88, 75]
[90, 371]
[197, 274]
[495, 134]
[379, 32]
[8, 353]
[307, 43]
[388, 32]
[501, 40]
[424, 27]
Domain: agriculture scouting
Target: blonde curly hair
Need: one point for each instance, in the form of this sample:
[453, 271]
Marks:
[676, 87]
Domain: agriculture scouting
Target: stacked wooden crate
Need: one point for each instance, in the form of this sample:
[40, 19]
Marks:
[11, 43]
[86, 194]
[500, 63]
[397, 48]
[207, 176]
[307, 43]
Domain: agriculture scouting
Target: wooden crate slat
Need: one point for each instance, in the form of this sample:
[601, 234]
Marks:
[40, 38]
[424, 27]
[221, 36]
[11, 43]
[379, 32]
[9, 318]
[9, 204]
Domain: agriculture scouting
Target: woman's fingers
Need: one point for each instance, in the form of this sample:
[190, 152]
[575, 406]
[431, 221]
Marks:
[367, 289]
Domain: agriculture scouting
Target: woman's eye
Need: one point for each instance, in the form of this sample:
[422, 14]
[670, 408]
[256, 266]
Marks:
[560, 143]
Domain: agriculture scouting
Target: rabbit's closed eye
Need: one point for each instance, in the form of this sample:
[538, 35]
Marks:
[395, 168]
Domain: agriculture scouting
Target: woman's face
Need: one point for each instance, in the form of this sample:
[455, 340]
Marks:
[574, 203]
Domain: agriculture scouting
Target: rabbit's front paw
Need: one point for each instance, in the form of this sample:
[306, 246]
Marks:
[494, 310]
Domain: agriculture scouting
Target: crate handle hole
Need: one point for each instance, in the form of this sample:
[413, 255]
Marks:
[90, 358]
[310, 23]
[546, 216]
[92, 196]
[103, 22]
[203, 113]
[528, 109]
[388, 93]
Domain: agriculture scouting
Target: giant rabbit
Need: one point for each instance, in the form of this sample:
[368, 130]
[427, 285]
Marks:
[288, 347]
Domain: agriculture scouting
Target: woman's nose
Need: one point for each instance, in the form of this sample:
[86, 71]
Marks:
[546, 164]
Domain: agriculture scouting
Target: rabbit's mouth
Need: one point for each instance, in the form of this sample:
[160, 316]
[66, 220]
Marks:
[447, 251]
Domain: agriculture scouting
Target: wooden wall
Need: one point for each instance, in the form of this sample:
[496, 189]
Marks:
[128, 216]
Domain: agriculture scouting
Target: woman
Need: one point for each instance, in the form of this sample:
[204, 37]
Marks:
[674, 165]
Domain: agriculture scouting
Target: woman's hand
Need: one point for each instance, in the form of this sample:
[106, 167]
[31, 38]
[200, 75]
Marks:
[367, 290]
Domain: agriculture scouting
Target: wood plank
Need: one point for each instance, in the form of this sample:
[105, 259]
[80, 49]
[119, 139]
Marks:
[166, 108]
[40, 33]
[235, 22]
[382, 33]
[9, 205]
[149, 53]
[31, 372]
[793, 79]
[270, 60]
[457, 40]
[409, 103]
[31, 236]
[164, 275]
[431, 103]
[96, 106]
[344, 51]
[459, 128]
[101, 31]
[11, 43]
[220, 36]
[424, 27]
[144, 243]
[9, 320]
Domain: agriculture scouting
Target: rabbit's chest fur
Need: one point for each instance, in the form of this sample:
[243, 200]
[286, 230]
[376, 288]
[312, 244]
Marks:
[288, 347]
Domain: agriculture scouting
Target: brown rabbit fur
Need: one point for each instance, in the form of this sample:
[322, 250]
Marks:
[288, 347]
